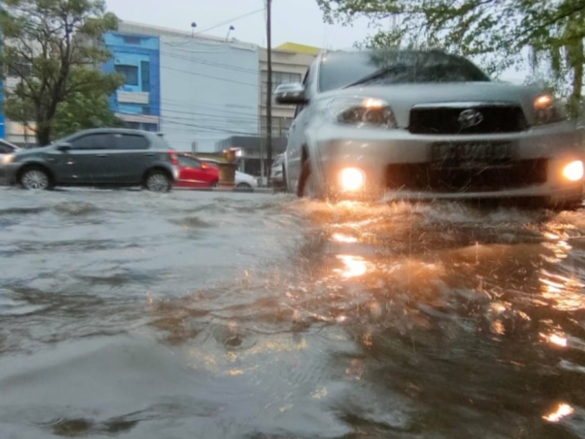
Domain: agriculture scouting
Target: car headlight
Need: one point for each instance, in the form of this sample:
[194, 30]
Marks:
[548, 109]
[361, 112]
[7, 159]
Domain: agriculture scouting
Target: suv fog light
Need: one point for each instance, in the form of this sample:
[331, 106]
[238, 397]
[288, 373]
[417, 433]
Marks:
[573, 171]
[351, 179]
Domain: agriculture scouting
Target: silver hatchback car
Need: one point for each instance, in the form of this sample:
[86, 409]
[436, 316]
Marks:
[416, 125]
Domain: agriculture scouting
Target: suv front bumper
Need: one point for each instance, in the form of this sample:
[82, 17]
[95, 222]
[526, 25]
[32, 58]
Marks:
[377, 153]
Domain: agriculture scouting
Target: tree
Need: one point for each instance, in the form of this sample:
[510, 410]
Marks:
[81, 110]
[90, 109]
[53, 49]
[494, 32]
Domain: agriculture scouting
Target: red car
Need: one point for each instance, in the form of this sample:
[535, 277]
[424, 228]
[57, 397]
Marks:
[193, 173]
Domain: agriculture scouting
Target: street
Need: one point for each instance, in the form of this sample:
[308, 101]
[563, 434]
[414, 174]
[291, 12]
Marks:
[240, 315]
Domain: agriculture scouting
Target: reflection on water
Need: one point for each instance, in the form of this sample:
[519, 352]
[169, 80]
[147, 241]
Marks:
[251, 316]
[556, 339]
[354, 266]
[562, 411]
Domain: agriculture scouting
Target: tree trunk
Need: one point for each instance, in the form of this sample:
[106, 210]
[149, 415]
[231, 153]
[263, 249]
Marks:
[577, 87]
[576, 59]
[43, 133]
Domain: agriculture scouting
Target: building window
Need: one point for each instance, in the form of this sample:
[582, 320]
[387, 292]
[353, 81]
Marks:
[277, 79]
[131, 40]
[145, 75]
[280, 126]
[130, 73]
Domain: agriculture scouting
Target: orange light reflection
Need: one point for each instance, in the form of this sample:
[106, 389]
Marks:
[355, 266]
[343, 238]
[561, 411]
[556, 339]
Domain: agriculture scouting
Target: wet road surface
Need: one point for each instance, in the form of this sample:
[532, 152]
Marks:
[202, 315]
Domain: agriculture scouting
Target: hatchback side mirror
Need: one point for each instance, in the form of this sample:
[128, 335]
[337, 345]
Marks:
[65, 147]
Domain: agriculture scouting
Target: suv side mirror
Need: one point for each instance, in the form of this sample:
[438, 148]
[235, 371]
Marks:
[65, 147]
[290, 94]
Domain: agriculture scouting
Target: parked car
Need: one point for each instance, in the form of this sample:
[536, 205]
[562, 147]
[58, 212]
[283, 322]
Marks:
[426, 125]
[193, 173]
[97, 158]
[243, 181]
[276, 173]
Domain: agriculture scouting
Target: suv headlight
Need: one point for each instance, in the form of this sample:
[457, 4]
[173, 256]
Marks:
[361, 112]
[7, 159]
[548, 109]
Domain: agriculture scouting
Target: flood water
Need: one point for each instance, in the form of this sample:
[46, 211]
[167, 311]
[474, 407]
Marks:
[129, 314]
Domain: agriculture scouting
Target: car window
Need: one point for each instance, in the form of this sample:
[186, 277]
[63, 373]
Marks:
[93, 141]
[189, 162]
[165, 145]
[343, 68]
[130, 141]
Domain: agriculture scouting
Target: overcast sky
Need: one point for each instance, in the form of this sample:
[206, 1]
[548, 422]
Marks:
[298, 21]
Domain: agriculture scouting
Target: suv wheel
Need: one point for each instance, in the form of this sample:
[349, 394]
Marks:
[158, 181]
[307, 184]
[284, 182]
[34, 178]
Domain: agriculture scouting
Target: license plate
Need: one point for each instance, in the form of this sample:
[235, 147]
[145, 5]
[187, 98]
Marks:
[470, 154]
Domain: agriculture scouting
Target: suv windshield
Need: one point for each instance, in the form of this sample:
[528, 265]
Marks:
[395, 67]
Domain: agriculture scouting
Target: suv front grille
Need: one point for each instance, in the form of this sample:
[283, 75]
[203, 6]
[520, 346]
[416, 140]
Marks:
[422, 177]
[445, 120]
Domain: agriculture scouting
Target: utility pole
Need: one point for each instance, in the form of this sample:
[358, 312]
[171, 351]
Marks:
[269, 91]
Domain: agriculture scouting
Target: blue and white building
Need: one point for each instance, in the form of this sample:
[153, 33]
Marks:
[196, 90]
[137, 58]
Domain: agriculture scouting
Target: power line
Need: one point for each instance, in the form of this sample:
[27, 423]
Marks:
[214, 27]
[213, 64]
[230, 21]
[210, 77]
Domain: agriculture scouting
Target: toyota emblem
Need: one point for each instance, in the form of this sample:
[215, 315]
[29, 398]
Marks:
[469, 118]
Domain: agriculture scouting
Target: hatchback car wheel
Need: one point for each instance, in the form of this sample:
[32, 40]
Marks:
[35, 178]
[158, 181]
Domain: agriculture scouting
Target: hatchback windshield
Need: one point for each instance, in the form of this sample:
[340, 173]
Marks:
[341, 69]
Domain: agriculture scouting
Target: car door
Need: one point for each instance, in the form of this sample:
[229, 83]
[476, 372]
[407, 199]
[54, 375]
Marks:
[129, 158]
[194, 174]
[82, 164]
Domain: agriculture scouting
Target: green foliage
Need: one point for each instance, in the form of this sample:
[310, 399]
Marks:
[88, 109]
[53, 49]
[493, 32]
